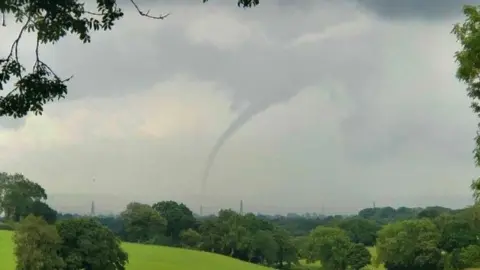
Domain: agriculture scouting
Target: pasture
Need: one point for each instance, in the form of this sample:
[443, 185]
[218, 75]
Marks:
[145, 257]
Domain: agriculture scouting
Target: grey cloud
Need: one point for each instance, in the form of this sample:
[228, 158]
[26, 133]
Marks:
[11, 122]
[412, 9]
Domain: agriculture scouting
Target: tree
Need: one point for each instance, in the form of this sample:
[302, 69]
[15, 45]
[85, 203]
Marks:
[409, 245]
[141, 223]
[17, 194]
[360, 230]
[358, 256]
[179, 218]
[265, 247]
[433, 212]
[190, 238]
[455, 233]
[468, 60]
[37, 245]
[468, 257]
[287, 252]
[211, 235]
[87, 244]
[475, 186]
[52, 20]
[331, 246]
[43, 210]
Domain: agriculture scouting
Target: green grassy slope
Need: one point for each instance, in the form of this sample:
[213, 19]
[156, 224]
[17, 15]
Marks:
[143, 257]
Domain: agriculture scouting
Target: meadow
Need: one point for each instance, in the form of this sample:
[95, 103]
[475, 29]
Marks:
[145, 257]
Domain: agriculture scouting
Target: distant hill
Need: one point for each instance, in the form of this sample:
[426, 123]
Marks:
[110, 203]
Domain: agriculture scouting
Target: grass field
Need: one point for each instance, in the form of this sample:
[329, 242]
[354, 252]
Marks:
[143, 257]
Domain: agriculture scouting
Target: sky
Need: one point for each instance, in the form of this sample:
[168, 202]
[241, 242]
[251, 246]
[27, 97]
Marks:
[341, 104]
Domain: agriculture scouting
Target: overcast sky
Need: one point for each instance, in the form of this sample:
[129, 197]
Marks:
[347, 102]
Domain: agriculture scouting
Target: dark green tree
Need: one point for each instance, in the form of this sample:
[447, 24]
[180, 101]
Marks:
[141, 223]
[17, 194]
[51, 20]
[455, 233]
[287, 252]
[43, 210]
[190, 238]
[358, 256]
[331, 246]
[179, 218]
[468, 72]
[87, 244]
[433, 212]
[265, 248]
[360, 230]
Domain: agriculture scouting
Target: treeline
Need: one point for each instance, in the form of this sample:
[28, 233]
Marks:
[404, 238]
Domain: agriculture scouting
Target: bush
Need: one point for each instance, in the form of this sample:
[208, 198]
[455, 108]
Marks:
[5, 227]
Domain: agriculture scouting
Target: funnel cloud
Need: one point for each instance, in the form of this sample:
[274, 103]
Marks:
[234, 126]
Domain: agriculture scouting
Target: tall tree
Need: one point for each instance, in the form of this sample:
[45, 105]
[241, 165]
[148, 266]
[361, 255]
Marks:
[142, 223]
[17, 193]
[52, 20]
[43, 210]
[331, 246]
[179, 218]
[358, 256]
[87, 244]
[468, 71]
[360, 230]
[37, 245]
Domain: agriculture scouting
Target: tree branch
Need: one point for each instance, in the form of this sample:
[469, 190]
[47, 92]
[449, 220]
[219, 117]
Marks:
[146, 14]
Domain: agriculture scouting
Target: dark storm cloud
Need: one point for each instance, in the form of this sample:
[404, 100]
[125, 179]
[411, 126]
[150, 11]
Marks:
[416, 9]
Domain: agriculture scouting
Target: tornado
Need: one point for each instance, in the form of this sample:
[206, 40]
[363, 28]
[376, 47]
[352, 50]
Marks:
[241, 120]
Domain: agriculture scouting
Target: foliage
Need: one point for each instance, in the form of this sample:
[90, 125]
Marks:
[410, 244]
[17, 194]
[87, 244]
[469, 257]
[433, 212]
[190, 238]
[142, 223]
[455, 232]
[331, 246]
[37, 245]
[5, 227]
[360, 230]
[468, 71]
[179, 217]
[358, 256]
[43, 210]
[265, 247]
